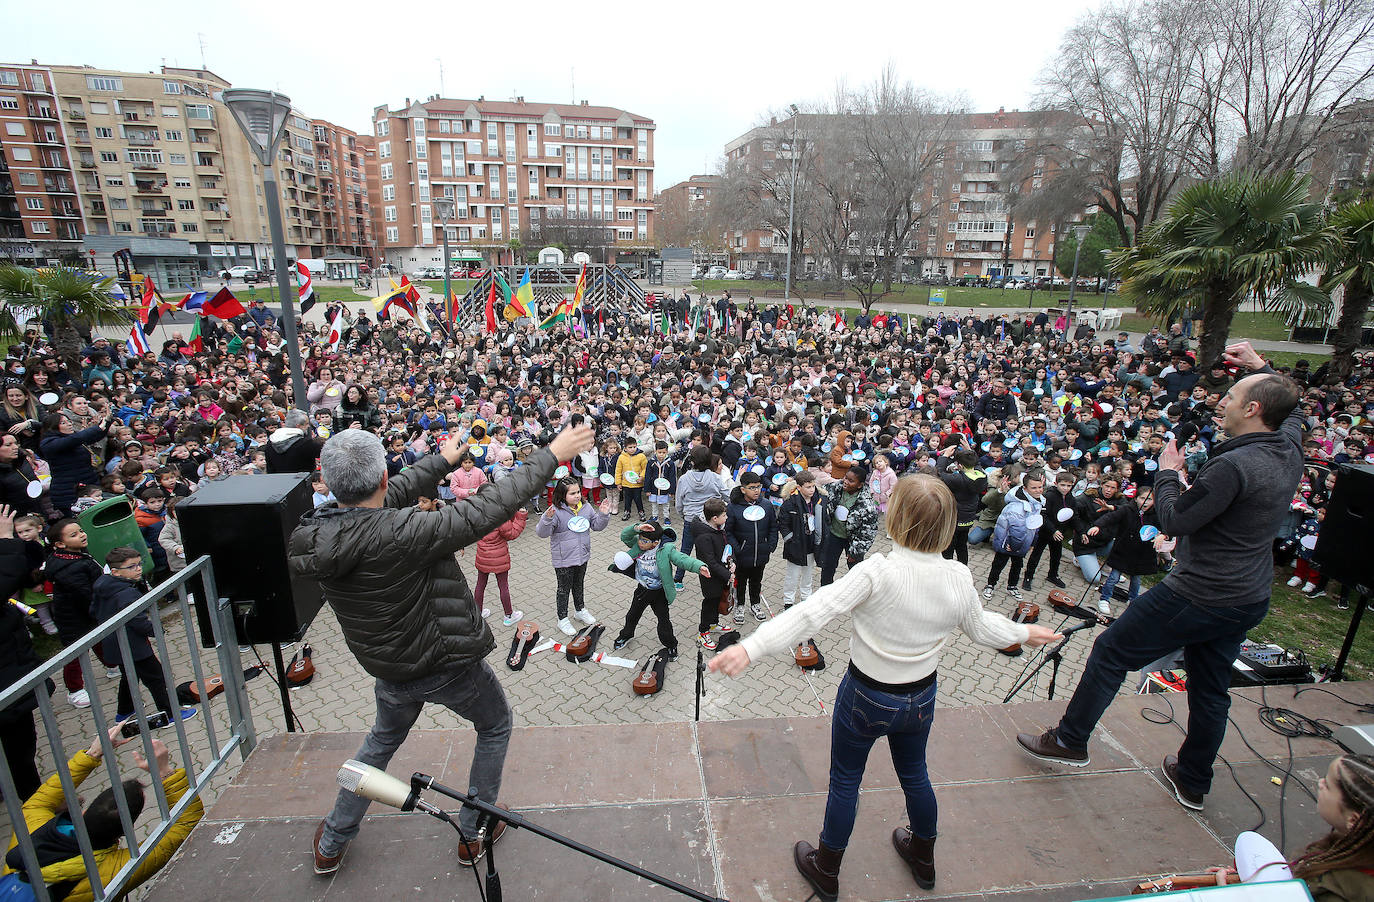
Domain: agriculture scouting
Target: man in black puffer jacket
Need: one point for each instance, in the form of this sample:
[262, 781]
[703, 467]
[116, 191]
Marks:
[388, 570]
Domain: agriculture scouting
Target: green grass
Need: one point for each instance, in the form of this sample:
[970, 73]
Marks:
[459, 285]
[1288, 358]
[326, 293]
[1315, 626]
[955, 296]
[1252, 325]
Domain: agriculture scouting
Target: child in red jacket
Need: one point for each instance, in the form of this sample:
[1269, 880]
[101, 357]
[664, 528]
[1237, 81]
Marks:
[493, 557]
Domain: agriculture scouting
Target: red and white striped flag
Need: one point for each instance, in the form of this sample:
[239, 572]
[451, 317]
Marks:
[138, 342]
[304, 290]
[336, 330]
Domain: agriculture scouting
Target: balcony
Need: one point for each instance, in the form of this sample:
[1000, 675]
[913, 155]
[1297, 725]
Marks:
[140, 140]
[88, 164]
[155, 167]
[160, 233]
[62, 187]
[148, 188]
[76, 114]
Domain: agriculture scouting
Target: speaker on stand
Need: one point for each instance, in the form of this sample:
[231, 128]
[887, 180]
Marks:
[1341, 553]
[244, 523]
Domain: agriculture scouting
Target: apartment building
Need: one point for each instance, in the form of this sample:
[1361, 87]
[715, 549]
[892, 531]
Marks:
[969, 227]
[683, 213]
[40, 214]
[346, 212]
[1342, 162]
[516, 172]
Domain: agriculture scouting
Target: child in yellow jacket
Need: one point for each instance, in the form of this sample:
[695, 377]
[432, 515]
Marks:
[629, 475]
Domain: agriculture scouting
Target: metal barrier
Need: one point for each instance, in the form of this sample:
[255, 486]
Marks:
[240, 736]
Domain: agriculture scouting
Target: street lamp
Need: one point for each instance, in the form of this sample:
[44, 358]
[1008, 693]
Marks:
[1079, 233]
[262, 116]
[791, 204]
[443, 208]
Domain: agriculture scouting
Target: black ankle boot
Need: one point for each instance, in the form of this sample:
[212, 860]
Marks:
[919, 854]
[820, 867]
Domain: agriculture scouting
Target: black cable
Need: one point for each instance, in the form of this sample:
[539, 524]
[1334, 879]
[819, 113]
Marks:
[1362, 707]
[273, 676]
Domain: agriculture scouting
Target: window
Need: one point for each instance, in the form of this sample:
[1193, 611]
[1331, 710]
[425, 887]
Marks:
[386, 170]
[382, 128]
[551, 130]
[393, 234]
[114, 181]
[624, 235]
[102, 132]
[570, 131]
[170, 87]
[143, 156]
[177, 159]
[531, 141]
[9, 78]
[444, 126]
[15, 128]
[21, 154]
[198, 111]
[1030, 231]
[104, 83]
[119, 203]
[9, 103]
[190, 227]
[172, 135]
[181, 183]
[390, 214]
[388, 192]
[40, 228]
[99, 107]
[28, 179]
[582, 131]
[33, 203]
[109, 156]
[625, 215]
[186, 205]
[949, 247]
[384, 150]
[954, 207]
[123, 227]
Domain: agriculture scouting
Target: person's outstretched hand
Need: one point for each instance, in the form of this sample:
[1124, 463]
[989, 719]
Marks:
[730, 662]
[1041, 635]
[1242, 355]
[161, 756]
[572, 441]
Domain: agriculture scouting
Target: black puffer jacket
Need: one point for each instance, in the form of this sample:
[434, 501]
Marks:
[968, 487]
[73, 575]
[402, 601]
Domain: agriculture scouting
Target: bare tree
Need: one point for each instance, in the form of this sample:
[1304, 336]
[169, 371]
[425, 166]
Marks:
[572, 233]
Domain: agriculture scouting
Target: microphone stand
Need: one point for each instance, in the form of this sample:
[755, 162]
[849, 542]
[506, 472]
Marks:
[701, 685]
[1054, 656]
[490, 814]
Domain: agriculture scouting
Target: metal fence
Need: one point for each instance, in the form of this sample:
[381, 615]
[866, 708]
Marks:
[220, 743]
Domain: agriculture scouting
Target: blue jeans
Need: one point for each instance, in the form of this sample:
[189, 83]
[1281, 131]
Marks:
[685, 547]
[861, 715]
[1157, 623]
[474, 694]
[1113, 577]
[978, 535]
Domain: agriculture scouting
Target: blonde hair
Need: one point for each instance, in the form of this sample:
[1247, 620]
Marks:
[922, 514]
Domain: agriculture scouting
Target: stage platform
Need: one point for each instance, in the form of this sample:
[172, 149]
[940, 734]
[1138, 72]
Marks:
[717, 805]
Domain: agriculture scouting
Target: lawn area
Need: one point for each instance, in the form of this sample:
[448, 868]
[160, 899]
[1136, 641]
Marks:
[955, 296]
[1315, 626]
[1252, 325]
[1288, 358]
[459, 285]
[326, 293]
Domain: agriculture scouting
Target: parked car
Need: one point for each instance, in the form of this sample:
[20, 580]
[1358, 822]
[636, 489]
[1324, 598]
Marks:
[767, 275]
[237, 272]
[716, 272]
[733, 274]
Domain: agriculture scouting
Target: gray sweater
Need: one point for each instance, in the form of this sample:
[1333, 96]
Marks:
[1226, 522]
[695, 488]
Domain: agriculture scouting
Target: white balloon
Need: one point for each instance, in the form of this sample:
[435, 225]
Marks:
[561, 472]
[1034, 521]
[48, 398]
[631, 476]
[1308, 542]
[1151, 465]
[757, 468]
[623, 561]
[34, 489]
[859, 455]
[842, 513]
[1106, 408]
[1065, 515]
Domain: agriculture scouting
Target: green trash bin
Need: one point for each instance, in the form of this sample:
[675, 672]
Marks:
[111, 524]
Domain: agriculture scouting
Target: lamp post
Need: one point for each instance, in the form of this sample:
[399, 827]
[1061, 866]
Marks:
[443, 208]
[791, 206]
[262, 116]
[1079, 233]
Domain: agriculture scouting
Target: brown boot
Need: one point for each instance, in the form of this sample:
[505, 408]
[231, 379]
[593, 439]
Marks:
[820, 867]
[919, 854]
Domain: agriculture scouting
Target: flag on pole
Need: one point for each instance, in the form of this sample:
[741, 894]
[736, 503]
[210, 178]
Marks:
[194, 300]
[304, 290]
[453, 305]
[336, 329]
[196, 344]
[148, 311]
[411, 294]
[663, 318]
[491, 306]
[561, 314]
[138, 342]
[223, 305]
[580, 290]
[522, 300]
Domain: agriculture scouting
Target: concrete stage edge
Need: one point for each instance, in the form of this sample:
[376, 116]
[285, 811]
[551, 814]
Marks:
[717, 806]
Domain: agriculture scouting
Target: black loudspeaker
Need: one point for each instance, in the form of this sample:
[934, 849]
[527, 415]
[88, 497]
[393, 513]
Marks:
[1341, 553]
[244, 523]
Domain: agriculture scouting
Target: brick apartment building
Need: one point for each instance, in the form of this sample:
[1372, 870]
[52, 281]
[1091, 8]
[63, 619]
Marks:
[516, 171]
[966, 229]
[684, 215]
[40, 213]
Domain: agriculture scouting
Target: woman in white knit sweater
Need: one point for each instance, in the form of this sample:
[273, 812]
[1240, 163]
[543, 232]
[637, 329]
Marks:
[905, 606]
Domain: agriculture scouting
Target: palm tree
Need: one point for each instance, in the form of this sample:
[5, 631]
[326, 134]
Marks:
[66, 298]
[1222, 242]
[1351, 267]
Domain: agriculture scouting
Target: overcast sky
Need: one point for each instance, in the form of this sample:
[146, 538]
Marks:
[705, 71]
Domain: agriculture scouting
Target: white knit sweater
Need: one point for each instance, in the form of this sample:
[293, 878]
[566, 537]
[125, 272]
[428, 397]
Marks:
[905, 606]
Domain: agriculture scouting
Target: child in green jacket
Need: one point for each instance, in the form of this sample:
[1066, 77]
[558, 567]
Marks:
[654, 551]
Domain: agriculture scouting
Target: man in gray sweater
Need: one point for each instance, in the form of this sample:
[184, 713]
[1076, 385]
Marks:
[1221, 586]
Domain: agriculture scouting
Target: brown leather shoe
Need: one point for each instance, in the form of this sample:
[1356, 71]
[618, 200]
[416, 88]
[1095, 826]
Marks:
[471, 852]
[820, 867]
[1185, 798]
[919, 855]
[325, 864]
[1047, 747]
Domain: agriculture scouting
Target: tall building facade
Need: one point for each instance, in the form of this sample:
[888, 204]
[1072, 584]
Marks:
[40, 213]
[969, 226]
[519, 174]
[346, 211]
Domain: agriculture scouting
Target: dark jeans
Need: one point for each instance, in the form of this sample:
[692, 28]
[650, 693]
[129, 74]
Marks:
[149, 673]
[958, 545]
[632, 497]
[861, 715]
[829, 554]
[1056, 555]
[685, 546]
[999, 560]
[658, 602]
[19, 737]
[753, 576]
[570, 580]
[471, 692]
[1154, 624]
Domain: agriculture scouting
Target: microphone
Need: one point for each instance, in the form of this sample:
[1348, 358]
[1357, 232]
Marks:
[379, 786]
[1086, 625]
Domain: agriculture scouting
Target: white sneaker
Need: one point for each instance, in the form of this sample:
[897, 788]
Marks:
[80, 698]
[514, 618]
[1104, 606]
[1308, 587]
[585, 616]
[1295, 582]
[987, 591]
[566, 626]
[486, 612]
[111, 673]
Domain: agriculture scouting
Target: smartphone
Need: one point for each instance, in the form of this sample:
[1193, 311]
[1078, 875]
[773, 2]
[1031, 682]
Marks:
[131, 726]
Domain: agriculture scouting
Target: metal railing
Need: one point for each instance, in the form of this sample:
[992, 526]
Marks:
[240, 736]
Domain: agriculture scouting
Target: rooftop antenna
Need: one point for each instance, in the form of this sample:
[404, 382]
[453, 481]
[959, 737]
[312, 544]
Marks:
[572, 83]
[441, 75]
[201, 37]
